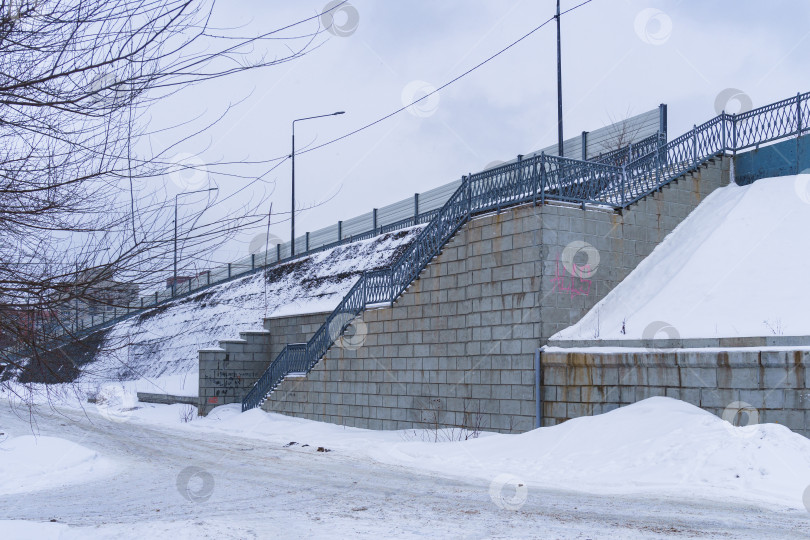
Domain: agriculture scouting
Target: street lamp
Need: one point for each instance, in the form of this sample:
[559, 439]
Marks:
[176, 197]
[560, 149]
[292, 155]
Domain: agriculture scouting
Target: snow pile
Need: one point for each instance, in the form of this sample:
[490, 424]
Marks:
[29, 463]
[659, 445]
[733, 268]
[163, 342]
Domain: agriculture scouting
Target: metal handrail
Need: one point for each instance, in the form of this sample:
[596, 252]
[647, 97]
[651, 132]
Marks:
[617, 180]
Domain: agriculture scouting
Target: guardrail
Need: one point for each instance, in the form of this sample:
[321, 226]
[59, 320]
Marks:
[618, 183]
[382, 220]
[83, 325]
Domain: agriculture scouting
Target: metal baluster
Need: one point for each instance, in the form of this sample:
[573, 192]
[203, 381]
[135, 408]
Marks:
[624, 181]
[734, 134]
[543, 178]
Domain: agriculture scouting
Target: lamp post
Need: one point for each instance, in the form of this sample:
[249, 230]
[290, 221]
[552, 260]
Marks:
[560, 149]
[176, 197]
[292, 155]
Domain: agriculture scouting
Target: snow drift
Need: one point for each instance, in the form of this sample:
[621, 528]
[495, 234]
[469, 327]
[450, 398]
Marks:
[733, 268]
[29, 463]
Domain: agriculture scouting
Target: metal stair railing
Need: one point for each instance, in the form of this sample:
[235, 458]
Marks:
[618, 182]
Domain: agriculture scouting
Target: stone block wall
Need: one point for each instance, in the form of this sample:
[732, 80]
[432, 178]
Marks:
[291, 329]
[770, 385]
[462, 337]
[228, 372]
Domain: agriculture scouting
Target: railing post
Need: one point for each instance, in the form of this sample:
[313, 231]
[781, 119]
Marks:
[253, 261]
[229, 270]
[374, 220]
[340, 231]
[658, 168]
[624, 184]
[723, 125]
[535, 180]
[392, 293]
[208, 277]
[415, 208]
[306, 245]
[798, 129]
[466, 181]
[278, 252]
[156, 297]
[584, 146]
[543, 178]
[694, 146]
[734, 134]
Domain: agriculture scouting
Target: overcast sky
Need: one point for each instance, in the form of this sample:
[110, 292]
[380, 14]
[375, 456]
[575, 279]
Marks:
[619, 57]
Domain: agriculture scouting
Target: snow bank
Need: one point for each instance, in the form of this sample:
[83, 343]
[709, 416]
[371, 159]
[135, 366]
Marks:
[659, 445]
[733, 268]
[158, 349]
[29, 463]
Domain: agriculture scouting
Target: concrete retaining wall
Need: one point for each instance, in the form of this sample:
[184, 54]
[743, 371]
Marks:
[769, 384]
[166, 399]
[229, 371]
[462, 338]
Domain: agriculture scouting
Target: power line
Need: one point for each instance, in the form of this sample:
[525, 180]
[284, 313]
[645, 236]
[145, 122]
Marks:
[448, 83]
[283, 158]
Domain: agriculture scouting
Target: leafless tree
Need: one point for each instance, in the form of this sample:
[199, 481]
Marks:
[77, 159]
[622, 133]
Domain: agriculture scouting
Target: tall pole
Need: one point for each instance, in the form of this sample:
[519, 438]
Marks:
[292, 156]
[559, 88]
[292, 205]
[174, 279]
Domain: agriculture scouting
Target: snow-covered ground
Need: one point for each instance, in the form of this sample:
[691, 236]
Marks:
[157, 351]
[734, 267]
[659, 468]
[29, 463]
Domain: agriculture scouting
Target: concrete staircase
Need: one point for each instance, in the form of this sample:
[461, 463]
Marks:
[226, 371]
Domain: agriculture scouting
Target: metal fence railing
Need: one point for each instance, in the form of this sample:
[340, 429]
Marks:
[617, 184]
[646, 130]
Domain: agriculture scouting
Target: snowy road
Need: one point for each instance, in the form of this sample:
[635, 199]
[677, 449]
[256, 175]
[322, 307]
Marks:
[264, 490]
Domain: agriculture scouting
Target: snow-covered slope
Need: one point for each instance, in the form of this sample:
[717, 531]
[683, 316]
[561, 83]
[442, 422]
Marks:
[734, 267]
[159, 347]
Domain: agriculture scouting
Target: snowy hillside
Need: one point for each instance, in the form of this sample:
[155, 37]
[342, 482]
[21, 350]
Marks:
[734, 267]
[159, 347]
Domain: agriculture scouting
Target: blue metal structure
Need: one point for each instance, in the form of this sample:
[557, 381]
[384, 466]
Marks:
[616, 180]
[778, 159]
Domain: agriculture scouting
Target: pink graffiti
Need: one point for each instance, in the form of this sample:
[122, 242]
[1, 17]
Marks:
[577, 286]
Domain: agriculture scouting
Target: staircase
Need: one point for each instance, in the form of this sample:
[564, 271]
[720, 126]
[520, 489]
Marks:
[616, 180]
